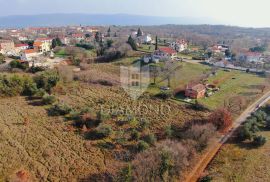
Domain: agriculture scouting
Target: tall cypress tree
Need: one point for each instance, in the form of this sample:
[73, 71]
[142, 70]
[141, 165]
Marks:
[156, 46]
[139, 32]
[132, 43]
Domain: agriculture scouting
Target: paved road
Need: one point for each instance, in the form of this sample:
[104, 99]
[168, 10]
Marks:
[211, 153]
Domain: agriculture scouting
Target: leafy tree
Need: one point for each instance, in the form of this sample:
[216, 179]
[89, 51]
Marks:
[87, 35]
[47, 80]
[53, 43]
[109, 43]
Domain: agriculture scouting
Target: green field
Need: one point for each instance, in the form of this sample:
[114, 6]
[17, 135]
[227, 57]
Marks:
[234, 83]
[231, 83]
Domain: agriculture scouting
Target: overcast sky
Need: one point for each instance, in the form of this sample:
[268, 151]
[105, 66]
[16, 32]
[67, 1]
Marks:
[231, 12]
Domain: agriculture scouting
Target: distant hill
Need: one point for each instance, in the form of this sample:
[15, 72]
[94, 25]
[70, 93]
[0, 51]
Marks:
[96, 19]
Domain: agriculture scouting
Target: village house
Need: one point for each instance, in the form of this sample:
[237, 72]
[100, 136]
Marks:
[20, 47]
[7, 47]
[29, 54]
[195, 91]
[250, 56]
[220, 48]
[78, 37]
[179, 45]
[43, 45]
[165, 53]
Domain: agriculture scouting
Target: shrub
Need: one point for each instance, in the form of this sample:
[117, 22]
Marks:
[104, 130]
[36, 69]
[125, 174]
[48, 99]
[165, 95]
[150, 139]
[135, 135]
[142, 145]
[206, 179]
[165, 162]
[17, 64]
[59, 110]
[47, 80]
[260, 116]
[221, 118]
[245, 133]
[259, 141]
[201, 134]
[143, 124]
[30, 87]
[168, 131]
[101, 116]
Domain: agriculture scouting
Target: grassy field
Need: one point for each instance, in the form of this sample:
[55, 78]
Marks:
[45, 147]
[240, 163]
[146, 48]
[50, 148]
[234, 83]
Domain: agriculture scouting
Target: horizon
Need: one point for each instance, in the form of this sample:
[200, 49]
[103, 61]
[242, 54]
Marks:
[226, 14]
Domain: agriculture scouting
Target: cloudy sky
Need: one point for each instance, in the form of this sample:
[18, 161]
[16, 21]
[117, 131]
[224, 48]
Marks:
[231, 12]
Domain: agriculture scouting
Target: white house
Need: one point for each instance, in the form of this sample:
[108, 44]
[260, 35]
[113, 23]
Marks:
[29, 54]
[164, 53]
[179, 45]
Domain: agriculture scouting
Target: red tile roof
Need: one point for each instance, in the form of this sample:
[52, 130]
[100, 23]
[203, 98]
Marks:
[167, 50]
[21, 45]
[196, 87]
[30, 51]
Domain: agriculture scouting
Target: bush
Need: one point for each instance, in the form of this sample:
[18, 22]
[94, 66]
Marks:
[104, 130]
[17, 64]
[201, 134]
[221, 119]
[143, 124]
[259, 141]
[165, 162]
[47, 80]
[150, 139]
[101, 116]
[164, 95]
[17, 85]
[59, 110]
[142, 146]
[168, 131]
[135, 135]
[48, 99]
[260, 116]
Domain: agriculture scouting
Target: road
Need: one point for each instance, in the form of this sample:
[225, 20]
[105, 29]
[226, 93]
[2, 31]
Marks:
[5, 66]
[211, 153]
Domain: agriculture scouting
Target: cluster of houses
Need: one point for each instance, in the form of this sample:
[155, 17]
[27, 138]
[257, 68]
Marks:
[15, 42]
[167, 53]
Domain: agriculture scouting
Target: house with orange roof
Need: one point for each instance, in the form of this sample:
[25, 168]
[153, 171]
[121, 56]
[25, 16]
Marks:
[165, 53]
[29, 54]
[195, 91]
[43, 44]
